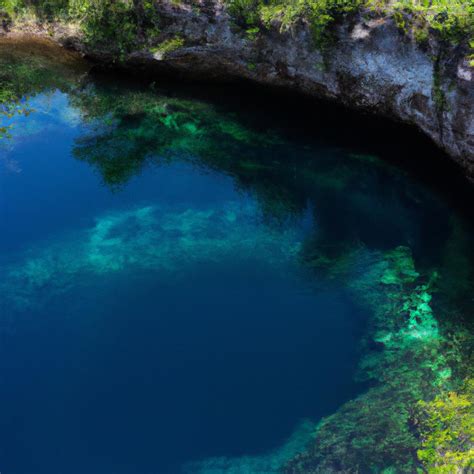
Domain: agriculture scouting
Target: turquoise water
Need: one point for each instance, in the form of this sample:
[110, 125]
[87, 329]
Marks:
[190, 284]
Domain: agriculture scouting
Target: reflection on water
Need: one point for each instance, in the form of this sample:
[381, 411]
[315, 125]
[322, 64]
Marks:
[205, 290]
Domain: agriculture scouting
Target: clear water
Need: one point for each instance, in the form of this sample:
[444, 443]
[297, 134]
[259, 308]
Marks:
[162, 311]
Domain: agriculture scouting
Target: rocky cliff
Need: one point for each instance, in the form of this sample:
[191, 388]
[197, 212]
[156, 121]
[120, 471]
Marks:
[370, 65]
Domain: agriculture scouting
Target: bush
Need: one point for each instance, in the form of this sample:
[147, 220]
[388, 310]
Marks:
[451, 20]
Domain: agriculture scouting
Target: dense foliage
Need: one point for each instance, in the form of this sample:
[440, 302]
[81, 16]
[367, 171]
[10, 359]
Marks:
[121, 26]
[129, 22]
[447, 430]
[451, 20]
[115, 25]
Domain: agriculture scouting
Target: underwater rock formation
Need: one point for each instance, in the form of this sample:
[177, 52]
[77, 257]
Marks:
[268, 463]
[147, 238]
[408, 357]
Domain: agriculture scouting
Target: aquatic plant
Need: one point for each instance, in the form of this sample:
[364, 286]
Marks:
[148, 238]
[446, 426]
[406, 354]
[267, 463]
[127, 129]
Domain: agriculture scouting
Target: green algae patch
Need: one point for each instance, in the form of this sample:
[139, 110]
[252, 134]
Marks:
[167, 47]
[267, 463]
[400, 268]
[446, 425]
[127, 131]
[167, 241]
[406, 355]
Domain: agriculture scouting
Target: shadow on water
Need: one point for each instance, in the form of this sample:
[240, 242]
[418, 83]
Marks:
[296, 116]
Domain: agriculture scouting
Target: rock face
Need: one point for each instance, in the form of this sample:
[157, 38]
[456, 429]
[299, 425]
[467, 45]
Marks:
[372, 66]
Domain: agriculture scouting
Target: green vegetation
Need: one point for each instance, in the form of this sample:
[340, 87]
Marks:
[115, 26]
[118, 27]
[446, 425]
[127, 24]
[167, 240]
[121, 25]
[414, 349]
[130, 129]
[407, 358]
[255, 14]
[168, 46]
[23, 74]
[452, 21]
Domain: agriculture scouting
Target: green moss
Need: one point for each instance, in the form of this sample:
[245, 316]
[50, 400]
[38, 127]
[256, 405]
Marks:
[400, 268]
[252, 33]
[421, 36]
[451, 20]
[168, 46]
[446, 426]
[408, 357]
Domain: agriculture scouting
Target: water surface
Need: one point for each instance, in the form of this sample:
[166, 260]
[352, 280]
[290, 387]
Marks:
[183, 278]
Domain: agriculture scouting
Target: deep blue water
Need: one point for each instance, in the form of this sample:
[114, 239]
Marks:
[156, 309]
[144, 369]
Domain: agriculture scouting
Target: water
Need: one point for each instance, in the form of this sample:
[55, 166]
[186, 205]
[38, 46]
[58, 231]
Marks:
[190, 284]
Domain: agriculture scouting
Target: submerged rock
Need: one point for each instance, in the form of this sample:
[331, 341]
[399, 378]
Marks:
[149, 238]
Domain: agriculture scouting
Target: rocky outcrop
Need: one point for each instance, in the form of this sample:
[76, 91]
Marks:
[370, 65]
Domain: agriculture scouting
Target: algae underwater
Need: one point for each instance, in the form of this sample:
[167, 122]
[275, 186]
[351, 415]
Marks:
[190, 283]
